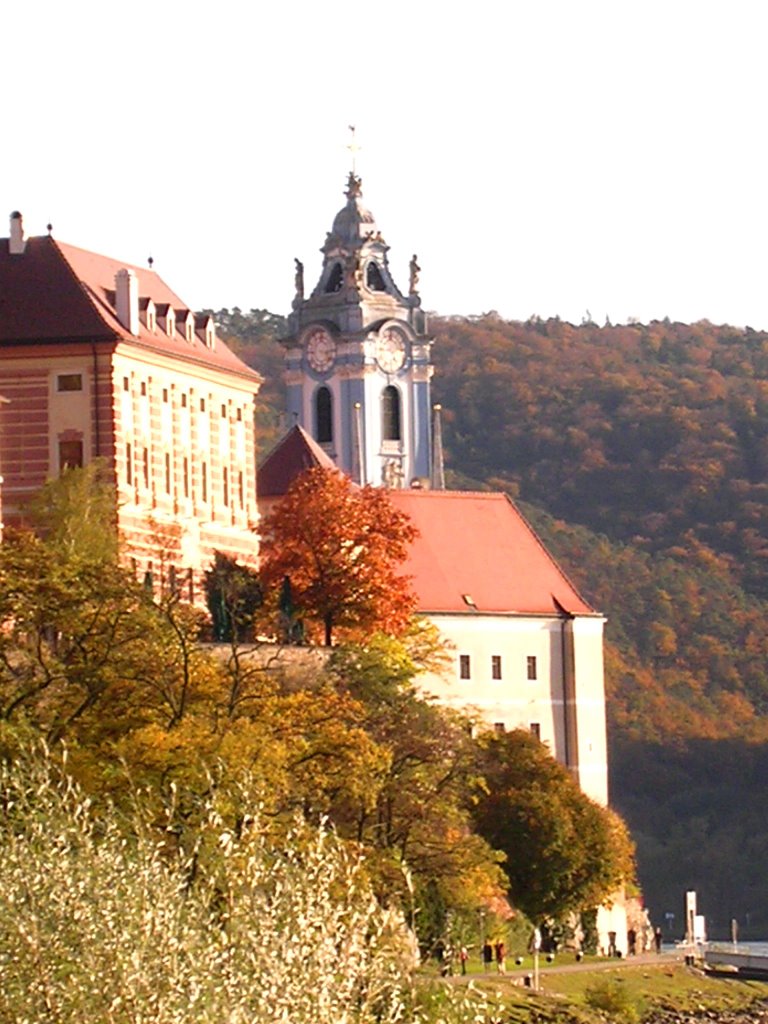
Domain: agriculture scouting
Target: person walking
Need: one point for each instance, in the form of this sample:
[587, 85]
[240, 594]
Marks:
[463, 957]
[501, 954]
[487, 954]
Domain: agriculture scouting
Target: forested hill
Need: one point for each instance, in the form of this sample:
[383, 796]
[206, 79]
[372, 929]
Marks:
[655, 438]
[640, 454]
[657, 434]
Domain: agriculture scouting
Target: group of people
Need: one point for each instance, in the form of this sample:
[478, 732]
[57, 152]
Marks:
[494, 952]
[497, 952]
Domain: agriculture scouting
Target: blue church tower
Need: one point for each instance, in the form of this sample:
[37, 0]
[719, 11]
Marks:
[358, 357]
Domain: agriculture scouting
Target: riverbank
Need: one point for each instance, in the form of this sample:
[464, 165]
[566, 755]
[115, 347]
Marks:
[649, 989]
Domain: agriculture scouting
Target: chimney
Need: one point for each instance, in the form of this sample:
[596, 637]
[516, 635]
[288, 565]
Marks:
[17, 241]
[127, 299]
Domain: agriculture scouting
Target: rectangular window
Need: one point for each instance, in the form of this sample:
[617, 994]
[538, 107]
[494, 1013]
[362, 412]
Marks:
[531, 662]
[70, 455]
[183, 401]
[186, 476]
[204, 481]
[165, 394]
[225, 481]
[126, 384]
[144, 387]
[240, 489]
[202, 405]
[239, 415]
[145, 465]
[464, 666]
[499, 727]
[128, 463]
[223, 412]
[536, 730]
[167, 473]
[69, 382]
[495, 666]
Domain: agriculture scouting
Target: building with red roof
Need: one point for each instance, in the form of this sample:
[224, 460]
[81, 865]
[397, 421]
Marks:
[525, 649]
[101, 359]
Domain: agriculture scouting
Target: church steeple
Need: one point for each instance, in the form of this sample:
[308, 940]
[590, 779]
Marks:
[356, 285]
[358, 355]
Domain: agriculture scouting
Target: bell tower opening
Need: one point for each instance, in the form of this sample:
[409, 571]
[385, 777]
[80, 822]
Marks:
[391, 418]
[374, 279]
[324, 416]
[335, 280]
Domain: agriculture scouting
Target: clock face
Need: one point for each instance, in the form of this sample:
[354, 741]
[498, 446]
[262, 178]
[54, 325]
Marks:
[390, 350]
[321, 350]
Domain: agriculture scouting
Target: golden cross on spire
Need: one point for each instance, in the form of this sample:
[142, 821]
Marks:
[352, 146]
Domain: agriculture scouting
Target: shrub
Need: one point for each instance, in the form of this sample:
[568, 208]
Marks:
[106, 919]
[611, 997]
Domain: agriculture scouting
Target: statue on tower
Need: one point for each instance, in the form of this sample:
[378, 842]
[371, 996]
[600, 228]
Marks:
[415, 271]
[299, 283]
[354, 186]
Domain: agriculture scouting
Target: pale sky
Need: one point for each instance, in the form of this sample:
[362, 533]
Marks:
[546, 157]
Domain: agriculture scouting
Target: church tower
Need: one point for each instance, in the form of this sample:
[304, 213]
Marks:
[358, 357]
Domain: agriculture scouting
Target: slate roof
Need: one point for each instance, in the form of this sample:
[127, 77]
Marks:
[479, 545]
[55, 292]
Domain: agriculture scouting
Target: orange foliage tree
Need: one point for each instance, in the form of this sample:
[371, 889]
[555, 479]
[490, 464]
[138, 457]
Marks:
[340, 547]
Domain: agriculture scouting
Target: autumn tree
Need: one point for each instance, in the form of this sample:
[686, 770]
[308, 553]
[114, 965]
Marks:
[341, 547]
[418, 815]
[564, 853]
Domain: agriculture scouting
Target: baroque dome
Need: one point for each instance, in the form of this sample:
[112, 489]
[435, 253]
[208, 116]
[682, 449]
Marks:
[353, 222]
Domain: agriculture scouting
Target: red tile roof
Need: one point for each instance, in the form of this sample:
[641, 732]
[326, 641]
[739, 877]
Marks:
[294, 453]
[479, 545]
[57, 292]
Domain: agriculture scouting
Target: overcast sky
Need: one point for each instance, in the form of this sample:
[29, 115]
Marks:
[540, 157]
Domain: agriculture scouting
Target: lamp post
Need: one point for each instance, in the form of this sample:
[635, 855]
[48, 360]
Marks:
[536, 947]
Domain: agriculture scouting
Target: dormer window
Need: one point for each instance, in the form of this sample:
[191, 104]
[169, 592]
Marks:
[148, 312]
[205, 328]
[335, 279]
[374, 279]
[170, 324]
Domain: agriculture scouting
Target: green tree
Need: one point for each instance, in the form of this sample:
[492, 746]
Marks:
[233, 593]
[563, 852]
[417, 818]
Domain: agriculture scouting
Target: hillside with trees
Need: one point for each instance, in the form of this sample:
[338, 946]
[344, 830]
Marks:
[640, 454]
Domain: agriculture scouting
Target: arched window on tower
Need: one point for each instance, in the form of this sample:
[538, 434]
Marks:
[374, 279]
[390, 414]
[324, 416]
[335, 279]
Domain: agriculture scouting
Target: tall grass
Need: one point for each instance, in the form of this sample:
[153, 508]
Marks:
[103, 919]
